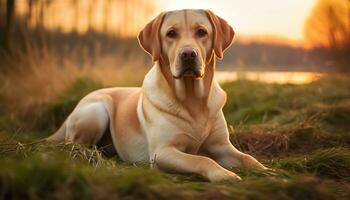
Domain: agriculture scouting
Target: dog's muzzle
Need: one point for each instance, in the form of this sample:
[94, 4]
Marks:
[189, 63]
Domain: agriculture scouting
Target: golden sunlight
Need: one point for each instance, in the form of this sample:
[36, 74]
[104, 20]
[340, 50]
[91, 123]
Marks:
[251, 17]
[255, 17]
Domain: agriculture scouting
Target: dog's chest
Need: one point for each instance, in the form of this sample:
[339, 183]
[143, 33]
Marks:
[195, 135]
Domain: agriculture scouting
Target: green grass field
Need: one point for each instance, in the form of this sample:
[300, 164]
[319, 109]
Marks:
[302, 132]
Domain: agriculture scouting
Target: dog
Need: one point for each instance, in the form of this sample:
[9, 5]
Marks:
[175, 120]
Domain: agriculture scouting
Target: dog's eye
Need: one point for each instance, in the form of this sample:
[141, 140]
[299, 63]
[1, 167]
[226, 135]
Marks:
[171, 34]
[201, 32]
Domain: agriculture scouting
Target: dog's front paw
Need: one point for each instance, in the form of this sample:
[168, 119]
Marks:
[251, 162]
[260, 166]
[223, 175]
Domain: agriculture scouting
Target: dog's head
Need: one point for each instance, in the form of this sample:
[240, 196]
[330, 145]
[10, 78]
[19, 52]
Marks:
[186, 40]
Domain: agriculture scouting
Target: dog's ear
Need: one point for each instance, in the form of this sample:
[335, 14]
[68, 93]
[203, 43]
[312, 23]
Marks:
[223, 34]
[149, 38]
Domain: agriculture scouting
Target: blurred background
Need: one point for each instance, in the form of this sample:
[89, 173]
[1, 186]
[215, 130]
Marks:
[46, 46]
[286, 77]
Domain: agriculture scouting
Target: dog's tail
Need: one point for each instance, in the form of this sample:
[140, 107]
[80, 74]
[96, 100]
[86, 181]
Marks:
[59, 135]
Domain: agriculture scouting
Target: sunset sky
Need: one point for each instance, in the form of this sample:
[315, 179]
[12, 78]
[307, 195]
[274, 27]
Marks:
[283, 18]
[255, 17]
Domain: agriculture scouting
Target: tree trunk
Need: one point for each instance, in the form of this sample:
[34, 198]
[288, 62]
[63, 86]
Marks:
[10, 11]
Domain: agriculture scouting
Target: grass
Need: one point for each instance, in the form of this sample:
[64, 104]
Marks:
[301, 132]
[67, 171]
[331, 163]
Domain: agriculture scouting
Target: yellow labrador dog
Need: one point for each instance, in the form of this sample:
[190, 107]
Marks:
[175, 120]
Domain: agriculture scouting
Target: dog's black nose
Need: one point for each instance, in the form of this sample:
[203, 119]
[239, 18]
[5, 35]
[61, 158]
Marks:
[188, 54]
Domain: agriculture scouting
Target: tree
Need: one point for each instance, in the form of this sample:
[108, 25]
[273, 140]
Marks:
[6, 26]
[328, 27]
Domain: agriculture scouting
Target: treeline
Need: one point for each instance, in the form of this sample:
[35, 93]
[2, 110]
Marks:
[95, 27]
[84, 29]
[93, 44]
[246, 56]
[118, 18]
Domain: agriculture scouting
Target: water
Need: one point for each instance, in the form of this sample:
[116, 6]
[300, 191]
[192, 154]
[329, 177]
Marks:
[269, 77]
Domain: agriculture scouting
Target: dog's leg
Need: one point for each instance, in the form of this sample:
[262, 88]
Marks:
[173, 160]
[228, 156]
[87, 124]
[220, 148]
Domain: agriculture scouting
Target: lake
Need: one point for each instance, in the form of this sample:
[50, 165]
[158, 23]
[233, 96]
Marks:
[269, 77]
